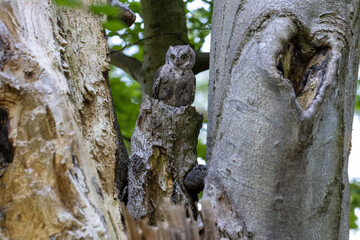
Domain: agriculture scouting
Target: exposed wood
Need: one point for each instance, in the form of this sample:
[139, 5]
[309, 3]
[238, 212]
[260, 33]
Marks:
[53, 81]
[175, 225]
[208, 218]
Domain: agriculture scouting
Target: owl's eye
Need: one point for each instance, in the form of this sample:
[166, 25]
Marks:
[183, 57]
[172, 57]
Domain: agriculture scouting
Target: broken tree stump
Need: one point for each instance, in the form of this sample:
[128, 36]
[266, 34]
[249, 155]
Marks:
[163, 148]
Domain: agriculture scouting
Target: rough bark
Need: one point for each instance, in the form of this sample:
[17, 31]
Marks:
[54, 88]
[163, 151]
[281, 100]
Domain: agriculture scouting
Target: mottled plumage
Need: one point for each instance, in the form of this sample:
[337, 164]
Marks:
[174, 82]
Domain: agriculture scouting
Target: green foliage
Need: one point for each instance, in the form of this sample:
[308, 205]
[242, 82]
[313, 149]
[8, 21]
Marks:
[114, 25]
[357, 101]
[69, 3]
[127, 99]
[354, 203]
[105, 9]
[199, 23]
[201, 149]
[113, 13]
[202, 84]
[357, 104]
[133, 35]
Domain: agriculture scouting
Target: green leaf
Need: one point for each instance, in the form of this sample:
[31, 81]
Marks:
[108, 10]
[201, 150]
[200, 194]
[357, 99]
[354, 203]
[135, 7]
[357, 104]
[126, 95]
[69, 3]
[114, 25]
[111, 34]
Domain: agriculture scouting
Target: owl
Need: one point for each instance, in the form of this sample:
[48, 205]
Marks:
[174, 82]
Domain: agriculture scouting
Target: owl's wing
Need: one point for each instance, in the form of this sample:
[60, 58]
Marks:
[157, 82]
[193, 90]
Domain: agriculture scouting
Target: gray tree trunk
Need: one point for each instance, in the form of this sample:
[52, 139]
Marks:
[281, 100]
[163, 152]
[61, 149]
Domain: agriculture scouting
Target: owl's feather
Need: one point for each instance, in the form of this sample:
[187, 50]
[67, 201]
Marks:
[157, 80]
[174, 82]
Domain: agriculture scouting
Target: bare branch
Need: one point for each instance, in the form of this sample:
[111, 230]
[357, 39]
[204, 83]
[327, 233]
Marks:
[178, 34]
[155, 36]
[130, 65]
[202, 62]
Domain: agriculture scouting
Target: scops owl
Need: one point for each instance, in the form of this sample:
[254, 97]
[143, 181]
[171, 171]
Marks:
[174, 82]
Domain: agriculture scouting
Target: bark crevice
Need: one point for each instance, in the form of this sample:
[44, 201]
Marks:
[6, 148]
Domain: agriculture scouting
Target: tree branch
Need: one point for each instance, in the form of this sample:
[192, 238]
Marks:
[130, 65]
[127, 16]
[202, 62]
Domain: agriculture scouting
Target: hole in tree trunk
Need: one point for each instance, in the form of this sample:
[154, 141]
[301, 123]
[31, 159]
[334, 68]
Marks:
[6, 149]
[305, 66]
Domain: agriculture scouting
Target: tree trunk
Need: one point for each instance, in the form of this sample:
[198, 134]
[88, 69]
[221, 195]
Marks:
[163, 152]
[165, 25]
[281, 100]
[54, 90]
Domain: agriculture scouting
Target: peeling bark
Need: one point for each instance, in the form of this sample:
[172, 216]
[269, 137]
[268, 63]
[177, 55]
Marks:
[53, 68]
[163, 152]
[281, 102]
